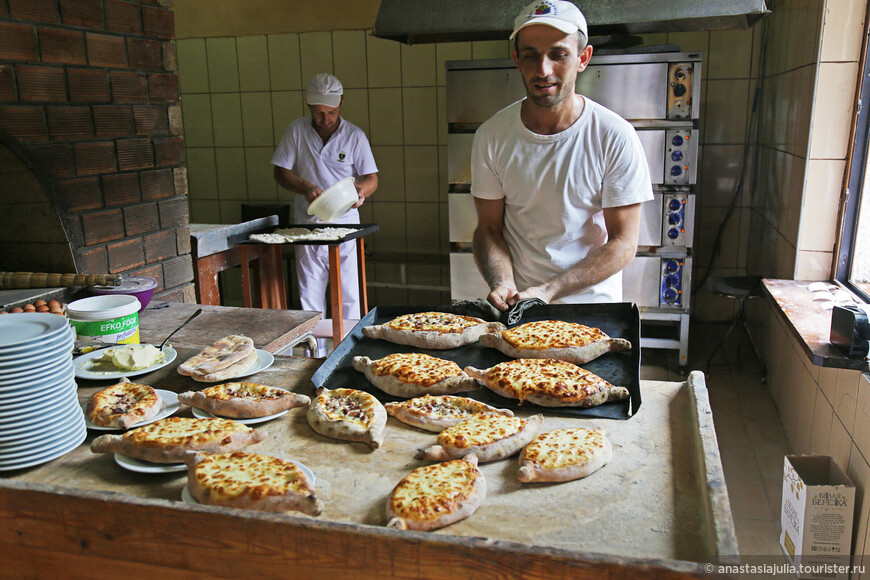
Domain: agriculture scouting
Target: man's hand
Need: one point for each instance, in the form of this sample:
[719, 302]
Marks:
[534, 292]
[503, 297]
[312, 194]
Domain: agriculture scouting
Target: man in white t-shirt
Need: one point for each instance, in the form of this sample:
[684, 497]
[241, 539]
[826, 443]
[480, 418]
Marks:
[315, 152]
[557, 179]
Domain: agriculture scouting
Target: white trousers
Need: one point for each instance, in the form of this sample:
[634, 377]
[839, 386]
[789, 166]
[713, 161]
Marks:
[312, 270]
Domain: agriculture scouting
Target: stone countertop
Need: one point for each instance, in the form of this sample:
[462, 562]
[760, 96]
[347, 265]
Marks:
[651, 501]
[810, 323]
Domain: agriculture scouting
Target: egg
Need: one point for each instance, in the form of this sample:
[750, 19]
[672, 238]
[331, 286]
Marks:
[39, 303]
[42, 308]
[57, 310]
[54, 304]
[17, 309]
[29, 308]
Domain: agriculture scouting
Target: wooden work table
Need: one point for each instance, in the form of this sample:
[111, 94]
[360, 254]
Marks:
[271, 330]
[659, 507]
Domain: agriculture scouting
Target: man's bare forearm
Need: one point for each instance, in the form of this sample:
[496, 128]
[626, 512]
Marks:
[493, 258]
[599, 264]
[290, 181]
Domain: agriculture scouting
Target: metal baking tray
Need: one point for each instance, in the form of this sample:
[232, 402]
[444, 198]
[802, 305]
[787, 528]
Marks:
[361, 230]
[618, 320]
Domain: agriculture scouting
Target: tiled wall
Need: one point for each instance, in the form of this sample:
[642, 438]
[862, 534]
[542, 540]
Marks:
[808, 86]
[239, 93]
[824, 411]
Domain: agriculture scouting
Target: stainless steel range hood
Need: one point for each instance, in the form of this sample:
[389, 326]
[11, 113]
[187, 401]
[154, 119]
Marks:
[422, 21]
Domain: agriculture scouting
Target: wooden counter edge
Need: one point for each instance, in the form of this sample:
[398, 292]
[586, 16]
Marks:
[722, 540]
[51, 530]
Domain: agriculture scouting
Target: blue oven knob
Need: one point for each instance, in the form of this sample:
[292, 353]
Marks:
[670, 295]
[671, 266]
[677, 140]
[677, 155]
[676, 170]
[674, 218]
[674, 204]
[673, 233]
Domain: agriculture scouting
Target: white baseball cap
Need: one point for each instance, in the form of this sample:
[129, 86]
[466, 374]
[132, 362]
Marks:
[559, 14]
[324, 89]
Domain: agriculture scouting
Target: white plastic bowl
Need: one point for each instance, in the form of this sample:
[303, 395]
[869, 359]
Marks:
[335, 201]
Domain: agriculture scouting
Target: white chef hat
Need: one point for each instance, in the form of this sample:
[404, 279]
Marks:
[324, 89]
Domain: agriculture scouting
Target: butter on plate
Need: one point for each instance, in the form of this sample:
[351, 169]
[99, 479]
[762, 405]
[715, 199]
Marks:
[133, 357]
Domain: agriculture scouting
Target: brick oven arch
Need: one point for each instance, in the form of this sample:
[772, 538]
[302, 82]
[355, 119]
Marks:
[34, 235]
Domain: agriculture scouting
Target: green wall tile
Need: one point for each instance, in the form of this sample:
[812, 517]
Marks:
[257, 119]
[349, 46]
[201, 173]
[316, 52]
[197, 119]
[227, 119]
[253, 55]
[192, 65]
[285, 63]
[223, 65]
[232, 181]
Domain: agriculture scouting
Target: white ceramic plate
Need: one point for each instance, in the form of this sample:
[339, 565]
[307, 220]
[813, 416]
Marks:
[52, 372]
[146, 466]
[20, 418]
[33, 360]
[201, 414]
[60, 344]
[36, 397]
[63, 421]
[264, 361]
[170, 402]
[84, 362]
[26, 328]
[43, 444]
[62, 449]
[187, 497]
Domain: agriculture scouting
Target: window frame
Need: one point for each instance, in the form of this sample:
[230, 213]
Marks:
[857, 170]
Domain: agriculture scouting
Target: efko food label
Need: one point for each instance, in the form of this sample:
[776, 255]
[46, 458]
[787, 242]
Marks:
[124, 329]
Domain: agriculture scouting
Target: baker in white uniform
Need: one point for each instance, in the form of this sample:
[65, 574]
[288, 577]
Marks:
[557, 179]
[315, 152]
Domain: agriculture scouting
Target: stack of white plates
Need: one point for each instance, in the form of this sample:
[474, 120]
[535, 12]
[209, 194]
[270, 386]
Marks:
[40, 417]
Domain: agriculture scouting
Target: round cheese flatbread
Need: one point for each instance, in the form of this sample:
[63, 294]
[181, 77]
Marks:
[436, 413]
[564, 454]
[223, 353]
[554, 339]
[348, 414]
[489, 437]
[414, 374]
[243, 400]
[123, 405]
[434, 496]
[549, 383]
[433, 330]
[169, 440]
[252, 482]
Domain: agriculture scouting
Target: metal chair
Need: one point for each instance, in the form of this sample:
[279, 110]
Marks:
[743, 289]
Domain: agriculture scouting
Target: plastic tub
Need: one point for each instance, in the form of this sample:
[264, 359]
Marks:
[141, 287]
[335, 201]
[112, 319]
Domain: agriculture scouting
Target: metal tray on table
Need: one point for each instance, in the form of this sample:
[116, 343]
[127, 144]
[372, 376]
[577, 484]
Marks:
[618, 320]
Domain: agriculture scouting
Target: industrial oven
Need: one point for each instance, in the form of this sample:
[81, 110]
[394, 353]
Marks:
[659, 94]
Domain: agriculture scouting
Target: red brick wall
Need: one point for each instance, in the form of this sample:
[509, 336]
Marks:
[89, 93]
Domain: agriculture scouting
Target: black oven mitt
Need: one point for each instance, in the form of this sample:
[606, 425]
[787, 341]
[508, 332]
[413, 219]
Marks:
[481, 308]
